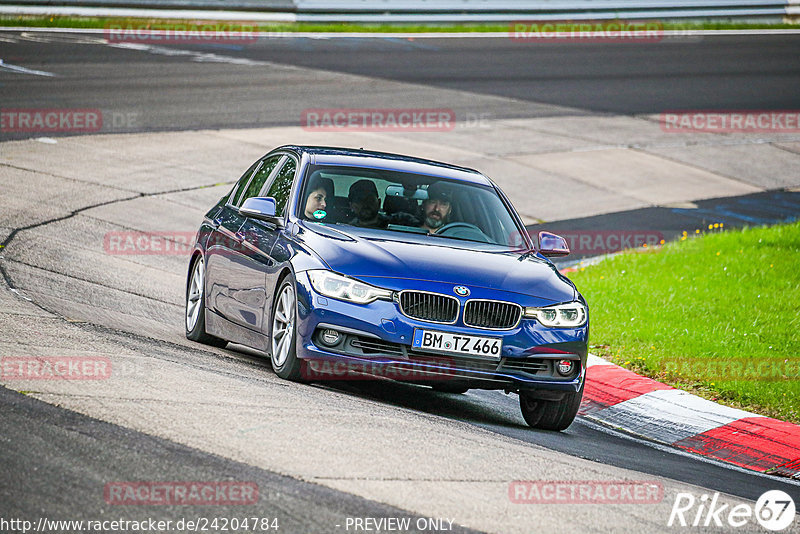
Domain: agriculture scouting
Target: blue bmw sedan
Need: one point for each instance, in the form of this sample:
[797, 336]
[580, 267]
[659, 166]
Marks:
[345, 264]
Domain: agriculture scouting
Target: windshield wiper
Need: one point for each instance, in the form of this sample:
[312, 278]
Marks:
[458, 238]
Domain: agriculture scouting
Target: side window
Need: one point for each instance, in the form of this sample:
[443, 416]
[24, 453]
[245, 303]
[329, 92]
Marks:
[282, 186]
[236, 192]
[259, 178]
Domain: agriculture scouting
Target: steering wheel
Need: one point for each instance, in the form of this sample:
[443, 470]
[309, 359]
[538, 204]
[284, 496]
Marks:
[463, 230]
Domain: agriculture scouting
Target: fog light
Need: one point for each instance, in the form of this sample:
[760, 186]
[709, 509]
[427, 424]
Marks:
[330, 337]
[564, 367]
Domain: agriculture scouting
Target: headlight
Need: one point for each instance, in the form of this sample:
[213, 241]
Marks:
[563, 315]
[341, 287]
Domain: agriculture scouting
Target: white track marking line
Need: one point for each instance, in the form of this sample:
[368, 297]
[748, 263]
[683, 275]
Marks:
[596, 360]
[23, 70]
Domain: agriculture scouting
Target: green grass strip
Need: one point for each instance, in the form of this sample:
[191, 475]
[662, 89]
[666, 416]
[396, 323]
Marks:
[715, 313]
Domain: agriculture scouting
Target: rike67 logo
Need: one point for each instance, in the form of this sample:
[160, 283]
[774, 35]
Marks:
[774, 510]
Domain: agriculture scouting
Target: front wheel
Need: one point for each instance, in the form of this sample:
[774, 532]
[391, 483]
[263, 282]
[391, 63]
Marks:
[550, 415]
[283, 354]
[196, 307]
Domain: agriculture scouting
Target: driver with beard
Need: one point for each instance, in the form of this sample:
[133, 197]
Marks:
[436, 210]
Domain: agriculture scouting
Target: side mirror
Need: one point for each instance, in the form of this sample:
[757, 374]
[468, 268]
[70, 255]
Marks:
[262, 208]
[552, 245]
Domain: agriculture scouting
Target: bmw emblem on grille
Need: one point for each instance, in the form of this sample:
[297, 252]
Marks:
[461, 291]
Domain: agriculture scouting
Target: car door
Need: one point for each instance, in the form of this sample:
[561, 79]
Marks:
[228, 261]
[259, 238]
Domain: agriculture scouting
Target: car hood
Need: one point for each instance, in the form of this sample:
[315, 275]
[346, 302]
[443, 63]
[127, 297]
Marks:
[448, 262]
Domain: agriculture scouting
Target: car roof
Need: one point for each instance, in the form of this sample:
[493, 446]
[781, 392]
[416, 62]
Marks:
[328, 155]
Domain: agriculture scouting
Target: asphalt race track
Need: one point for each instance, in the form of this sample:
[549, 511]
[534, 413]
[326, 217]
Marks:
[530, 79]
[182, 122]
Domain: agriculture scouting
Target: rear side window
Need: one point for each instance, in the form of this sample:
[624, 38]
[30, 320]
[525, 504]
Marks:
[260, 178]
[282, 186]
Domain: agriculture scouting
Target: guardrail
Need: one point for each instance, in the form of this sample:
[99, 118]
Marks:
[430, 11]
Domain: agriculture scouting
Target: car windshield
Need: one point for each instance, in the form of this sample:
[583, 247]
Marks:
[384, 204]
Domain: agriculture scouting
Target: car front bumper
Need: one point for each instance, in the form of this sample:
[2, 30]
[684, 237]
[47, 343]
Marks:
[376, 338]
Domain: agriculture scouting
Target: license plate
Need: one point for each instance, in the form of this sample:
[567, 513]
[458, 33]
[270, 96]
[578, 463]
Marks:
[488, 347]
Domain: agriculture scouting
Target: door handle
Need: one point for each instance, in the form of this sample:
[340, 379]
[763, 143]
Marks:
[215, 223]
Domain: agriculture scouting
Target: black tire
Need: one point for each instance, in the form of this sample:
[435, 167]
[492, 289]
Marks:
[550, 415]
[450, 388]
[195, 323]
[283, 357]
